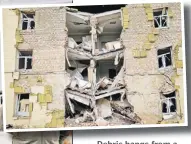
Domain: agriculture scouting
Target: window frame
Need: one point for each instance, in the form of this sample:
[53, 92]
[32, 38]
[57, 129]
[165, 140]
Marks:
[167, 100]
[17, 112]
[25, 60]
[163, 56]
[25, 18]
[160, 19]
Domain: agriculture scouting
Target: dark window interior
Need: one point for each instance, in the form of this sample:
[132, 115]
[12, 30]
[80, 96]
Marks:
[158, 20]
[163, 51]
[167, 57]
[21, 63]
[25, 53]
[164, 107]
[32, 25]
[173, 105]
[85, 72]
[112, 73]
[25, 22]
[22, 60]
[78, 42]
[157, 13]
[23, 96]
[160, 62]
[168, 60]
[29, 64]
[24, 25]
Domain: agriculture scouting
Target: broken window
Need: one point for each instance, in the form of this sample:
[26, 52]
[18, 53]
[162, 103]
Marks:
[164, 57]
[169, 104]
[22, 105]
[112, 73]
[160, 18]
[27, 21]
[25, 60]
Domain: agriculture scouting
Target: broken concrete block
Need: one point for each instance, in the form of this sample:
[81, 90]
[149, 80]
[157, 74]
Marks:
[71, 43]
[76, 74]
[101, 122]
[82, 84]
[104, 82]
[37, 89]
[109, 46]
[16, 75]
[79, 120]
[87, 43]
[104, 108]
[114, 45]
[73, 83]
[116, 62]
[117, 45]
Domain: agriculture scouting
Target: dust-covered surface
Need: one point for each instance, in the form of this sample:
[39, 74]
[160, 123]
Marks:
[66, 67]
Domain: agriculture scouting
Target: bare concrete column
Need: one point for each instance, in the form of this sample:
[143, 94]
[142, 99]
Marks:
[93, 24]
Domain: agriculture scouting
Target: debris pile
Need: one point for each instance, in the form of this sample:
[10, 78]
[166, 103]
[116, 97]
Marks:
[96, 94]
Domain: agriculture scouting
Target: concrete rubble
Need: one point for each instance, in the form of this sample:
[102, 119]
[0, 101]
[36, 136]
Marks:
[88, 89]
[115, 67]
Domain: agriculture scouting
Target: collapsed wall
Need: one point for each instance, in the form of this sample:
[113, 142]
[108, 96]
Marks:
[118, 67]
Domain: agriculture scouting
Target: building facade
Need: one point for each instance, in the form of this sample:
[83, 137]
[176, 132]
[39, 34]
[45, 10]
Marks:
[61, 62]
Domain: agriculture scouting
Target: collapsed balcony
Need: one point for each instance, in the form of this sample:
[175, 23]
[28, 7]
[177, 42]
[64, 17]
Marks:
[101, 45]
[94, 55]
[94, 36]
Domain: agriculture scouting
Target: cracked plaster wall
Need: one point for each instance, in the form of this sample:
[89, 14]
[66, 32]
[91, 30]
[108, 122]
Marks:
[143, 77]
[47, 41]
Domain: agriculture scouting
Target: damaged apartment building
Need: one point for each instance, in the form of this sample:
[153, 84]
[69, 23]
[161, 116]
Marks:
[93, 65]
